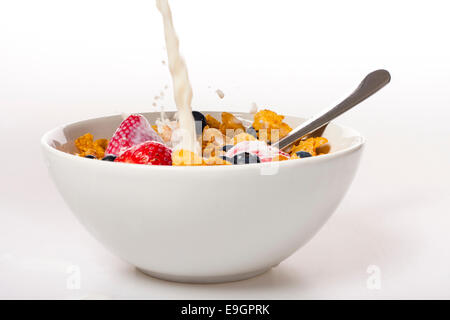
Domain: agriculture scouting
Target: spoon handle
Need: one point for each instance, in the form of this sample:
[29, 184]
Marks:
[373, 82]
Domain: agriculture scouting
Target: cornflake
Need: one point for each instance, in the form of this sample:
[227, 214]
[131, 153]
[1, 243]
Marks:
[309, 145]
[266, 121]
[87, 146]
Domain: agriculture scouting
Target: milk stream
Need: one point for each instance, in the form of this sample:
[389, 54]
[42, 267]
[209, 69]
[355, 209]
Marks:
[181, 85]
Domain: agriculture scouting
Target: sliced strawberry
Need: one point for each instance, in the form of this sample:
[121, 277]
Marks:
[265, 152]
[132, 131]
[149, 152]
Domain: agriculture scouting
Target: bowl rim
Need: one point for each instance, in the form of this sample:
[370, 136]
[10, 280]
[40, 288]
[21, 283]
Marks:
[44, 141]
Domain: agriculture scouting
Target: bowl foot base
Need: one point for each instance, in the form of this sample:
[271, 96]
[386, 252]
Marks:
[203, 279]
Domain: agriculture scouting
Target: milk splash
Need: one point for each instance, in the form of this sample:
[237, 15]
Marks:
[181, 86]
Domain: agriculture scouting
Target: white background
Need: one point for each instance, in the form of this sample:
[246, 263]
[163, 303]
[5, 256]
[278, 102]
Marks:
[62, 61]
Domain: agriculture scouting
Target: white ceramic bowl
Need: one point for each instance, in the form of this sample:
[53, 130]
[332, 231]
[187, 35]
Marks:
[201, 224]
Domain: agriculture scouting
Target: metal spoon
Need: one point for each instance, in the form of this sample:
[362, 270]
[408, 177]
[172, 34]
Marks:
[371, 83]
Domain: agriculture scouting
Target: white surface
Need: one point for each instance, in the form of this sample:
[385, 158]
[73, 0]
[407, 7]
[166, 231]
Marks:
[62, 61]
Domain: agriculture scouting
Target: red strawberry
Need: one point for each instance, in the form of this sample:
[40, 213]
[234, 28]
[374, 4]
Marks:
[132, 131]
[150, 152]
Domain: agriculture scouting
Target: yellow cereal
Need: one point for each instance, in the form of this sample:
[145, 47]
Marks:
[280, 157]
[212, 135]
[165, 133]
[186, 158]
[84, 142]
[265, 121]
[243, 137]
[320, 141]
[212, 122]
[215, 161]
[212, 140]
[305, 145]
[309, 145]
[87, 146]
[284, 130]
[101, 143]
[230, 122]
[212, 150]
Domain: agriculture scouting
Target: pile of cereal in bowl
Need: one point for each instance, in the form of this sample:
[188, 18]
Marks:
[225, 141]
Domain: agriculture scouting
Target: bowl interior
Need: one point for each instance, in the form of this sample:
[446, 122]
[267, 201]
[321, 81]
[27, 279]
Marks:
[62, 138]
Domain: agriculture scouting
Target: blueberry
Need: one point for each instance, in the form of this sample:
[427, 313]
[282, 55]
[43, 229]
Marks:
[90, 156]
[109, 157]
[227, 147]
[245, 158]
[199, 119]
[303, 154]
[252, 131]
[230, 160]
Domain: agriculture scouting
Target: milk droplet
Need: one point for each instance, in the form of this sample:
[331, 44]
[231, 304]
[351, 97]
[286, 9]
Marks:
[220, 93]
